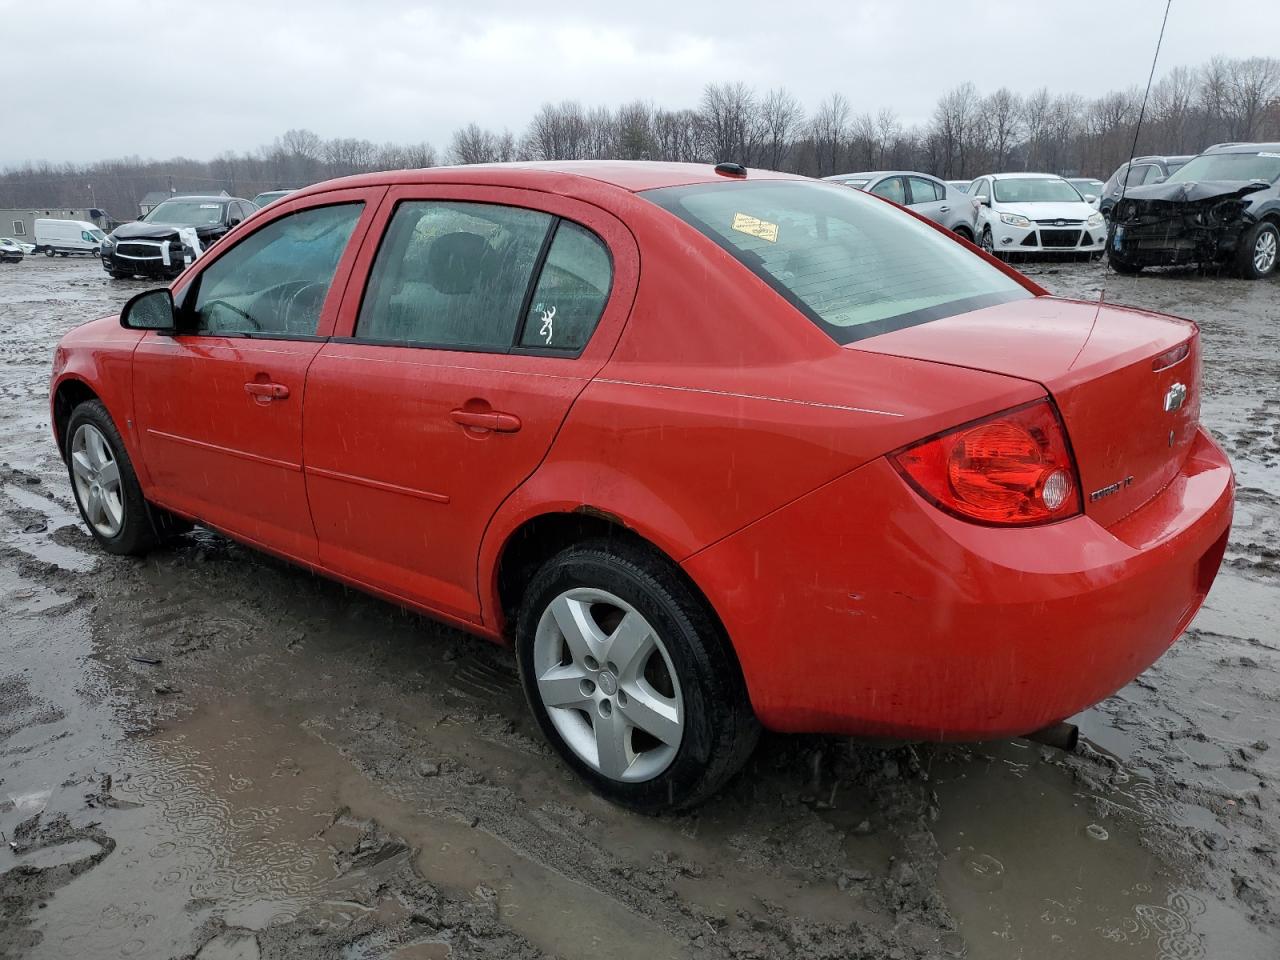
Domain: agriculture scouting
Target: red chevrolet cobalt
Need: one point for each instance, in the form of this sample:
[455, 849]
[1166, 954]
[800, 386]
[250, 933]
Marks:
[713, 449]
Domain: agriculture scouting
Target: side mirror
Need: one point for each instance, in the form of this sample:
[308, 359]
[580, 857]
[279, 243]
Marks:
[234, 221]
[150, 310]
[1090, 197]
[984, 200]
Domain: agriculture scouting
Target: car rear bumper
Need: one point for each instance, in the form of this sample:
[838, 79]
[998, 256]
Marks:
[861, 609]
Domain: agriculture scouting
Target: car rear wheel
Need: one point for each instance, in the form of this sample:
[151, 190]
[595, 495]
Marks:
[107, 489]
[630, 678]
[964, 233]
[49, 251]
[1259, 251]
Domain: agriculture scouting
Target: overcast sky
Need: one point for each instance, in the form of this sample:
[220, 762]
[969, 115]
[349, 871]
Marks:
[88, 81]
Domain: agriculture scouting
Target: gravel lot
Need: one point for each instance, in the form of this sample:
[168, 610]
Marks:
[207, 753]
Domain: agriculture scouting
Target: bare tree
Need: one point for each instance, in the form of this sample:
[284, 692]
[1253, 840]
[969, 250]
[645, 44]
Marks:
[829, 129]
[781, 118]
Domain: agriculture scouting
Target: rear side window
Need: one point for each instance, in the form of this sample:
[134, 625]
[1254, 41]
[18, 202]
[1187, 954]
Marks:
[452, 274]
[275, 281]
[854, 266]
[571, 291]
[923, 191]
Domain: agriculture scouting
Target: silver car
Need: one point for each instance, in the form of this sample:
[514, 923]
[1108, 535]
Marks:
[928, 196]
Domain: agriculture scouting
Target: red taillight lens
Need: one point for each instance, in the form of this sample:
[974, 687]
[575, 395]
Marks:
[1014, 468]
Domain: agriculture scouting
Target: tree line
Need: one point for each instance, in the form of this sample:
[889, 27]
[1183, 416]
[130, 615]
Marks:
[969, 133]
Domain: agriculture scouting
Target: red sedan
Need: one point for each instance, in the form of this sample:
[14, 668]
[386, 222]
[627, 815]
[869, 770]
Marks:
[713, 449]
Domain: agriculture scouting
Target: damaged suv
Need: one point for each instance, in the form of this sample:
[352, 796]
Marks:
[173, 234]
[1223, 207]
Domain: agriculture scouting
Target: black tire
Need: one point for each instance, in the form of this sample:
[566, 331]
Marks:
[143, 526]
[964, 233]
[720, 729]
[1258, 234]
[49, 251]
[1120, 265]
[987, 242]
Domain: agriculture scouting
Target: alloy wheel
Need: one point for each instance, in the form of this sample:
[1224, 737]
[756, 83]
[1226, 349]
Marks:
[97, 479]
[1264, 251]
[608, 685]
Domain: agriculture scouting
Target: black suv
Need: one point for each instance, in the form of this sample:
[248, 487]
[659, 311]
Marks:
[173, 234]
[1142, 171]
[1223, 207]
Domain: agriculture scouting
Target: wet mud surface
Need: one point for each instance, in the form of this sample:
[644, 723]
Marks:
[206, 753]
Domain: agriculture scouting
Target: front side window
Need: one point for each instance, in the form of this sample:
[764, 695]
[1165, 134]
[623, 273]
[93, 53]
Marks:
[571, 292]
[452, 274]
[891, 189]
[980, 189]
[1138, 175]
[923, 191]
[852, 265]
[275, 281]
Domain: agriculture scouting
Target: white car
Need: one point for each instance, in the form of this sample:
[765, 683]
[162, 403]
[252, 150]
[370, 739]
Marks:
[27, 248]
[1036, 213]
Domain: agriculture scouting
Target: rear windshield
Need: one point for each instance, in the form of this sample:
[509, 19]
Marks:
[854, 265]
[1230, 166]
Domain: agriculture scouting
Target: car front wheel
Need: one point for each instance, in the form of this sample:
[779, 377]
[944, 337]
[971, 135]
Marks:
[1260, 251]
[106, 488]
[631, 679]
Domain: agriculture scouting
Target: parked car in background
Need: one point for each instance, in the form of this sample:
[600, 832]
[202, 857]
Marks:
[922, 193]
[65, 237]
[847, 476]
[270, 196]
[1089, 188]
[10, 251]
[172, 235]
[1144, 170]
[1222, 207]
[27, 248]
[1025, 213]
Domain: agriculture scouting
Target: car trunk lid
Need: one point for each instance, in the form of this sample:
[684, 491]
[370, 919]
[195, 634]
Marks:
[1130, 417]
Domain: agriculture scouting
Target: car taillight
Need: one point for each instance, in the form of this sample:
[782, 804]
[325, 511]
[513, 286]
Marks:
[1011, 469]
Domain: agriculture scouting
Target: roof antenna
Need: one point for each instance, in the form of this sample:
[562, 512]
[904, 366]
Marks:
[1133, 149]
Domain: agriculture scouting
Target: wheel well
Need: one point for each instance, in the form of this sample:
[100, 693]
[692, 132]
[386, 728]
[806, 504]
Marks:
[71, 393]
[539, 539]
[964, 232]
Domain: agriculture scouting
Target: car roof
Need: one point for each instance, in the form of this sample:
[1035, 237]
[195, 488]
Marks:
[874, 174]
[630, 175]
[206, 198]
[1025, 176]
[1245, 148]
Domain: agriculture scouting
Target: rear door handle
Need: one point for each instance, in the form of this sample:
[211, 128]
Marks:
[944, 209]
[487, 420]
[267, 391]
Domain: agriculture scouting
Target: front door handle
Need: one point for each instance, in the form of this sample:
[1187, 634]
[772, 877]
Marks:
[267, 391]
[487, 420]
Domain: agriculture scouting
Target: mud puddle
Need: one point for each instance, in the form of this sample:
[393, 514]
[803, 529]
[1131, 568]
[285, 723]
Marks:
[207, 753]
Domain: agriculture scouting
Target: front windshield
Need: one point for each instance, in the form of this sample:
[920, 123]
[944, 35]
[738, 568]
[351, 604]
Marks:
[852, 264]
[186, 213]
[1036, 190]
[1230, 166]
[98, 234]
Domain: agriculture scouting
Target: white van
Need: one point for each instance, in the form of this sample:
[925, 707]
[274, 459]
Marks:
[66, 237]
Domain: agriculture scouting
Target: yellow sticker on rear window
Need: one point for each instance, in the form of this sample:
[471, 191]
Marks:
[755, 227]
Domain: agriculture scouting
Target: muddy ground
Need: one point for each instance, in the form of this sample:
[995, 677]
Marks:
[207, 753]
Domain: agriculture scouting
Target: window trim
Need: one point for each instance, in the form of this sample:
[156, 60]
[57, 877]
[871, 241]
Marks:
[19, 228]
[515, 347]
